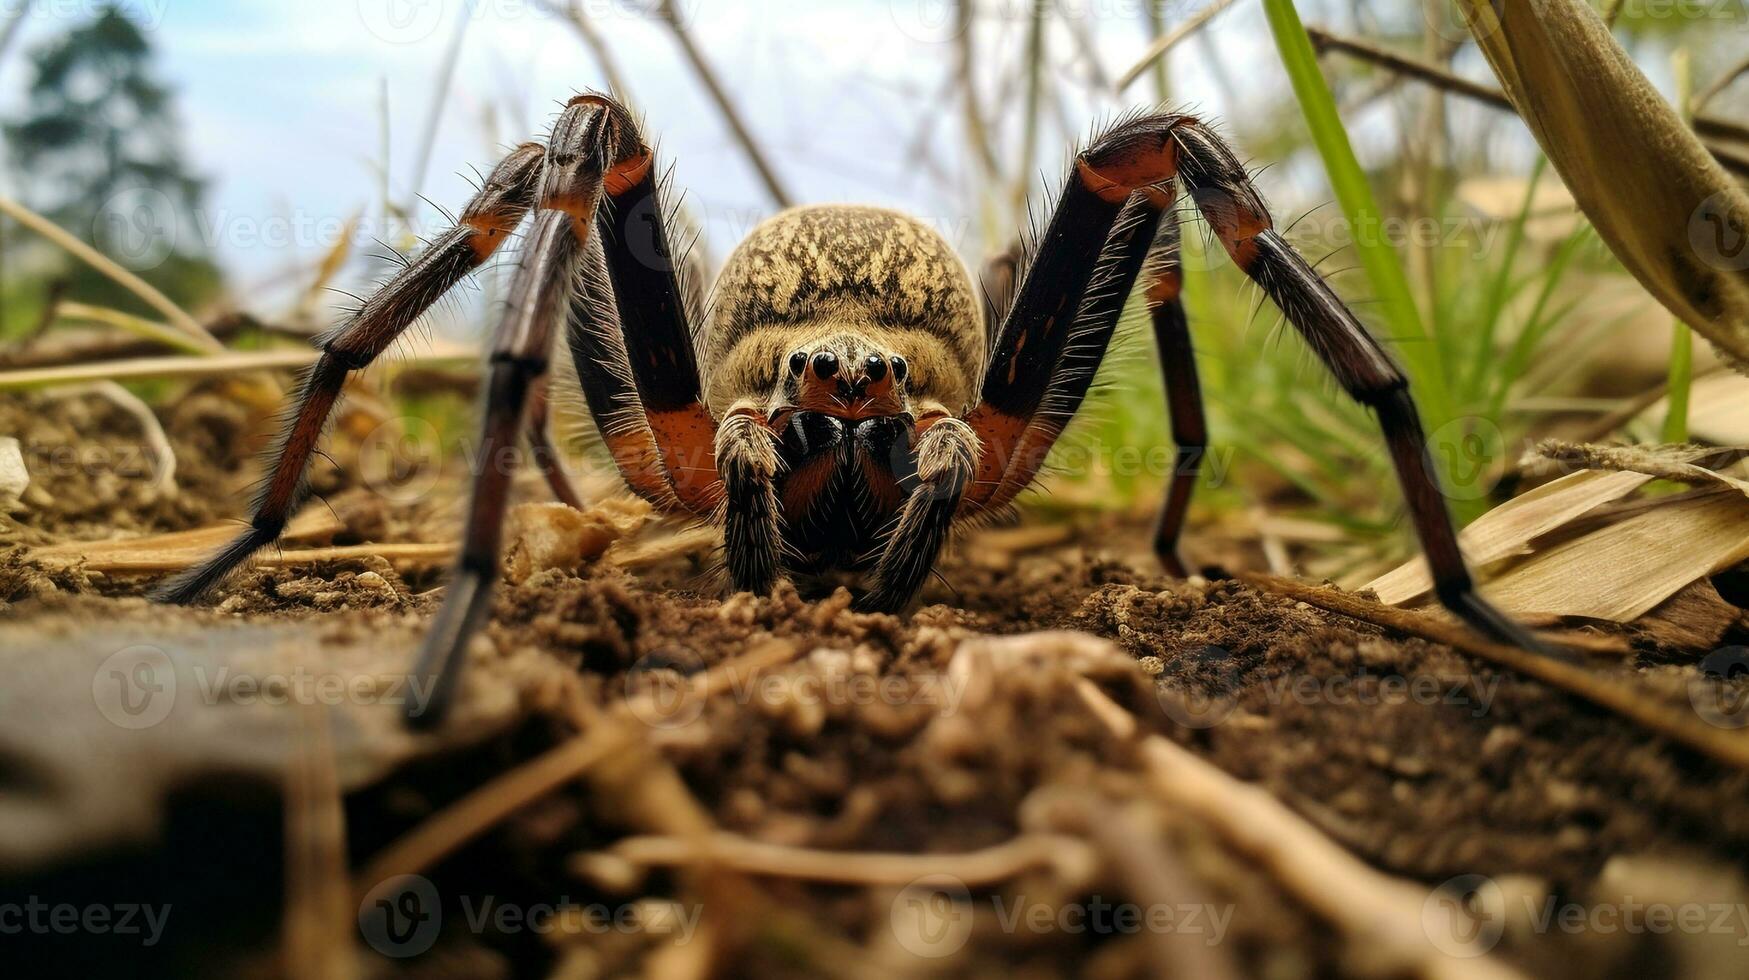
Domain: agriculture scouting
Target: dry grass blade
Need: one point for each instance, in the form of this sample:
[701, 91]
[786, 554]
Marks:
[1666, 208]
[1679, 463]
[1617, 572]
[176, 315]
[1166, 43]
[609, 741]
[316, 523]
[1718, 410]
[219, 365]
[670, 15]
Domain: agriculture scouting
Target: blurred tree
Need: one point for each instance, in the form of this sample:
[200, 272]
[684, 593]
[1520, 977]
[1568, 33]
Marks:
[96, 149]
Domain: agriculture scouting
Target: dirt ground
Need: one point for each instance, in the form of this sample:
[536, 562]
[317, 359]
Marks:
[925, 751]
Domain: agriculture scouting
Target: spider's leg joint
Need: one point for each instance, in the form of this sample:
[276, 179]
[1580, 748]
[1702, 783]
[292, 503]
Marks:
[594, 145]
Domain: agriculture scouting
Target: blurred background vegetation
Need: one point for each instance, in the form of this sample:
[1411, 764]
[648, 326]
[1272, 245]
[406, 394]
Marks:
[1515, 322]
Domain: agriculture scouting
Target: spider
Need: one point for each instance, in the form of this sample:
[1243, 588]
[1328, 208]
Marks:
[854, 400]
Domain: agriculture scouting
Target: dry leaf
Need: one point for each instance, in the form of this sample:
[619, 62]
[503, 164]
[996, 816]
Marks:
[1666, 208]
[552, 535]
[1625, 570]
[1508, 529]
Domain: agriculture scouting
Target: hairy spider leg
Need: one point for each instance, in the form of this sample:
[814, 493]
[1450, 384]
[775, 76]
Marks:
[489, 219]
[591, 150]
[1138, 156]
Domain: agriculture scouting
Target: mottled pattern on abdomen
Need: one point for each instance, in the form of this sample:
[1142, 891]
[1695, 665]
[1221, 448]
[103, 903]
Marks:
[861, 266]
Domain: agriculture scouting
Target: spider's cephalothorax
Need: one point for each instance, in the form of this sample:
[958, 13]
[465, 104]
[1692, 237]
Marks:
[854, 402]
[847, 330]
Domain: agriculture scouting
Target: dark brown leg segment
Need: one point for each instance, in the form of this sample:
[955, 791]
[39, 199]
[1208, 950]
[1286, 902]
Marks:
[546, 454]
[488, 220]
[587, 152]
[1225, 196]
[1164, 284]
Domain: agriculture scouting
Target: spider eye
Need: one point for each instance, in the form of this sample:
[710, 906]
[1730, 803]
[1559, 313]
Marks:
[875, 367]
[825, 364]
[797, 362]
[900, 368]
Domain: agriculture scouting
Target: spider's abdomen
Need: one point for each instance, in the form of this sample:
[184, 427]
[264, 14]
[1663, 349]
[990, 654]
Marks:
[830, 268]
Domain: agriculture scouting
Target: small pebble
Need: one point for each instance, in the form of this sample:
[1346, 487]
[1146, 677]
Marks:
[14, 478]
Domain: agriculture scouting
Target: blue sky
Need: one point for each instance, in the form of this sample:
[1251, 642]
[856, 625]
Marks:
[282, 103]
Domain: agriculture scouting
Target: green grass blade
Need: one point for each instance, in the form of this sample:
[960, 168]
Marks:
[1361, 209]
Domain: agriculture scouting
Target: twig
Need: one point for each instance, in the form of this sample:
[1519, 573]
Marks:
[1084, 44]
[1718, 85]
[973, 868]
[1139, 855]
[318, 920]
[1623, 699]
[1158, 49]
[86, 347]
[163, 457]
[977, 132]
[434, 118]
[609, 738]
[671, 16]
[573, 13]
[1382, 915]
[1433, 75]
[176, 315]
[473, 814]
[138, 326]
